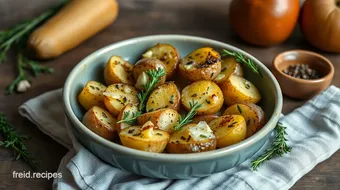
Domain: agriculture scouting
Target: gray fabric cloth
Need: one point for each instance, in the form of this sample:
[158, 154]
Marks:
[313, 133]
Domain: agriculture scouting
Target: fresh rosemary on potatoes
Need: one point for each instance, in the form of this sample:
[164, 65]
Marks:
[240, 58]
[16, 36]
[188, 118]
[15, 141]
[278, 148]
[143, 96]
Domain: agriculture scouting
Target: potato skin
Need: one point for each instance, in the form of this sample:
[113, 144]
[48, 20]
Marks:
[100, 122]
[238, 70]
[132, 109]
[229, 130]
[239, 90]
[133, 137]
[147, 64]
[163, 119]
[253, 115]
[166, 95]
[117, 70]
[201, 64]
[116, 96]
[204, 92]
[206, 118]
[182, 142]
[92, 95]
[166, 53]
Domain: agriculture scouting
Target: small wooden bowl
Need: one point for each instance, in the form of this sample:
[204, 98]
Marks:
[302, 88]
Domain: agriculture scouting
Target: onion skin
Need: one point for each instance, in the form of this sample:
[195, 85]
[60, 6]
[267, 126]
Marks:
[320, 24]
[73, 24]
[264, 22]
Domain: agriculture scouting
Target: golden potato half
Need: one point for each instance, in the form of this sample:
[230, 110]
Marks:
[201, 64]
[204, 92]
[240, 90]
[192, 138]
[164, 96]
[92, 95]
[253, 115]
[164, 119]
[228, 66]
[229, 129]
[145, 65]
[100, 122]
[117, 70]
[166, 53]
[117, 96]
[144, 138]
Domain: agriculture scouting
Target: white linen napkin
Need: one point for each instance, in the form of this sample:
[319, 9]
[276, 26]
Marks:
[313, 133]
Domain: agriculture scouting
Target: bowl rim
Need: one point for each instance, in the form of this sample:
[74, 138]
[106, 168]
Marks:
[165, 157]
[327, 62]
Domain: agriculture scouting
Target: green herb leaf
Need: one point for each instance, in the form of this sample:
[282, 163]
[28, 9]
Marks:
[144, 94]
[129, 118]
[278, 148]
[240, 58]
[188, 118]
[15, 141]
[239, 108]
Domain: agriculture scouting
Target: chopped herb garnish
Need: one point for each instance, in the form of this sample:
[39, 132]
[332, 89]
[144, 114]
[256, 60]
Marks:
[203, 136]
[129, 118]
[239, 108]
[104, 115]
[208, 101]
[194, 95]
[159, 134]
[172, 99]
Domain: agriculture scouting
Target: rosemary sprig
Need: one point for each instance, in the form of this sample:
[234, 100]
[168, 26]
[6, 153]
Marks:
[23, 65]
[144, 94]
[278, 148]
[130, 120]
[15, 141]
[240, 58]
[16, 36]
[188, 118]
[18, 33]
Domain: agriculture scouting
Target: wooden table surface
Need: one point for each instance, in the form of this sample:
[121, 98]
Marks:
[136, 18]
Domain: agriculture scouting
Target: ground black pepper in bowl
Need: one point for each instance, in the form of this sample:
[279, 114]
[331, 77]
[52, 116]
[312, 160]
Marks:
[302, 71]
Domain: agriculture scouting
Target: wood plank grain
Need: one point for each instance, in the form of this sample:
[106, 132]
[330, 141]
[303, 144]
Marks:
[136, 18]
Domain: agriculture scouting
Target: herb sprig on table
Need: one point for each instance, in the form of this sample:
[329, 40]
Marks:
[16, 37]
[188, 118]
[143, 96]
[15, 141]
[240, 58]
[278, 148]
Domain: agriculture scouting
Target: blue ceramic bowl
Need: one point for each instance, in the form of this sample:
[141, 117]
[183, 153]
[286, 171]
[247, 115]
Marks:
[161, 165]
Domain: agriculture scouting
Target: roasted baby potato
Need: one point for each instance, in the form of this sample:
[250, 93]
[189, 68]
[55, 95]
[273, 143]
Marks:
[128, 112]
[92, 95]
[145, 65]
[201, 64]
[204, 92]
[253, 115]
[164, 96]
[228, 129]
[144, 138]
[206, 118]
[163, 119]
[117, 70]
[228, 66]
[192, 138]
[116, 96]
[166, 53]
[239, 90]
[100, 122]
